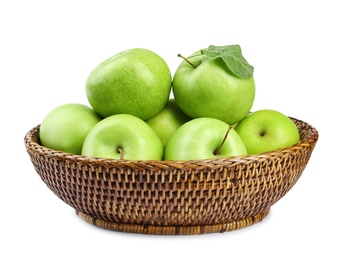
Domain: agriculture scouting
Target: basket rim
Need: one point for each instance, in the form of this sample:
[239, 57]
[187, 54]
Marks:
[36, 147]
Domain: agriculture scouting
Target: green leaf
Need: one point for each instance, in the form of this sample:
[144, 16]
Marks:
[232, 56]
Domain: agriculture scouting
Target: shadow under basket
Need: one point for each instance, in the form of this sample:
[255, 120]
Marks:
[172, 197]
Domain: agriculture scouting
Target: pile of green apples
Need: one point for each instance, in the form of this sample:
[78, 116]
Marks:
[132, 115]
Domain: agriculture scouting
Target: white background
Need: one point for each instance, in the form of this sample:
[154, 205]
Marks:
[47, 50]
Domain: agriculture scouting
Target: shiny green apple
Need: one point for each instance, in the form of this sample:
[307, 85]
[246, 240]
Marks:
[123, 136]
[207, 88]
[167, 121]
[136, 81]
[204, 138]
[65, 127]
[267, 130]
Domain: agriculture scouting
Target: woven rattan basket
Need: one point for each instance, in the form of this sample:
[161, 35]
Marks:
[171, 197]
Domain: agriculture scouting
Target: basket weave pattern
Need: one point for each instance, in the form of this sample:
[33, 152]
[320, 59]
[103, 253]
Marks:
[172, 197]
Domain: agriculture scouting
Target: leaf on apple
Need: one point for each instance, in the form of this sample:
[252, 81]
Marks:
[232, 56]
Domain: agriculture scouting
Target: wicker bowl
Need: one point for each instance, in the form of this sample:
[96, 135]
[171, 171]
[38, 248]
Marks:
[172, 197]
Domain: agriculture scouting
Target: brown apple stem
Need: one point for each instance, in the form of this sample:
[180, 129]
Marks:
[121, 153]
[223, 141]
[179, 55]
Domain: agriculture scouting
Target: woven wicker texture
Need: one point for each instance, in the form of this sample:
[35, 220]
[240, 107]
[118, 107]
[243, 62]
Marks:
[172, 197]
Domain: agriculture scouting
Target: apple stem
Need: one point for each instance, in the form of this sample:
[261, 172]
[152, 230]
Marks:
[223, 141]
[183, 57]
[121, 153]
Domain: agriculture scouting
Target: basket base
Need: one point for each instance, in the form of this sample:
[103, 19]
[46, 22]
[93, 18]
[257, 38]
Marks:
[174, 230]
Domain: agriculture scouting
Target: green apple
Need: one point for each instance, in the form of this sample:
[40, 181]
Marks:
[65, 127]
[167, 121]
[123, 136]
[267, 130]
[136, 81]
[204, 138]
[205, 87]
